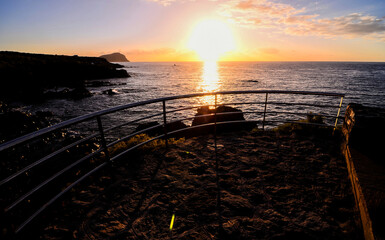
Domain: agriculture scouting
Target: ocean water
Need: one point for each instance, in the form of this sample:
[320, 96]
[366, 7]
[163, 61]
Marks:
[360, 82]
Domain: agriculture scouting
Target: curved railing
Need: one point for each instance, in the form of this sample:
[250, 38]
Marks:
[23, 196]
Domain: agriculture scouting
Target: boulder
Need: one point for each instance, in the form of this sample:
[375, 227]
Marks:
[79, 93]
[224, 114]
[110, 92]
[234, 115]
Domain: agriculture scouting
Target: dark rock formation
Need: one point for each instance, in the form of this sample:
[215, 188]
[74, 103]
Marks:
[96, 83]
[234, 116]
[110, 92]
[15, 123]
[77, 93]
[26, 76]
[224, 114]
[115, 57]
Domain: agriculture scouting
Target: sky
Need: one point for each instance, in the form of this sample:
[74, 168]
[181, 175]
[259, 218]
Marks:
[160, 30]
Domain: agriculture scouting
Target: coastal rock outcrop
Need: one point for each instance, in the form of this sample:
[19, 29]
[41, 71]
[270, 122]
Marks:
[26, 76]
[115, 57]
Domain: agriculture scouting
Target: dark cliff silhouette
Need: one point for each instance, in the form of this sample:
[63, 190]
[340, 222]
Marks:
[25, 76]
[115, 57]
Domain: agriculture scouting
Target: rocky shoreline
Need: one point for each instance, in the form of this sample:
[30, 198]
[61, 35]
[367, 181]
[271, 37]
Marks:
[28, 77]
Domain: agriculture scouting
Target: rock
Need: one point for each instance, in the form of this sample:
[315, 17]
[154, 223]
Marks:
[176, 126]
[173, 126]
[98, 83]
[15, 123]
[110, 92]
[77, 93]
[230, 114]
[115, 57]
[151, 132]
[237, 115]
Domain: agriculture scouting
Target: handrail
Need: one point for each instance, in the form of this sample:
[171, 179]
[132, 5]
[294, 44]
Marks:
[166, 134]
[122, 107]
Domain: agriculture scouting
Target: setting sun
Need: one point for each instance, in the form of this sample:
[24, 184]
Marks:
[210, 39]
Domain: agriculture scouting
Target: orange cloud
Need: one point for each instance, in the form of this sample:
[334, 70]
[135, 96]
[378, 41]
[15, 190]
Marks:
[350, 26]
[285, 18]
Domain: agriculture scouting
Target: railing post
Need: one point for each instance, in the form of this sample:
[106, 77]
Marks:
[165, 123]
[103, 139]
[218, 205]
[264, 113]
[215, 124]
[338, 114]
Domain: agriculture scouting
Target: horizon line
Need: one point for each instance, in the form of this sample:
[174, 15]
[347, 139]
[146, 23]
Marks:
[341, 61]
[150, 61]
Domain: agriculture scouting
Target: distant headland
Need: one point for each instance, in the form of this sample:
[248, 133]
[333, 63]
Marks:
[115, 57]
[27, 76]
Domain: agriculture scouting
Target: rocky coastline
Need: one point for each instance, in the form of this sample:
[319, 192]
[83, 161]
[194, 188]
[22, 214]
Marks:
[28, 77]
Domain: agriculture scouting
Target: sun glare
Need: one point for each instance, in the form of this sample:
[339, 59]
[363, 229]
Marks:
[210, 77]
[210, 39]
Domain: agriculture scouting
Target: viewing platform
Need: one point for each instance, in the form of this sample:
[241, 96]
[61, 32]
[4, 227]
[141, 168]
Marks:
[271, 178]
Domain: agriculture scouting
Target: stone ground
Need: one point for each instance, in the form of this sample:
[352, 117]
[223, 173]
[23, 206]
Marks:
[272, 186]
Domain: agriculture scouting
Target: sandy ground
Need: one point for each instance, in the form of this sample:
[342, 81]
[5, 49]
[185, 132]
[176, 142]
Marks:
[271, 186]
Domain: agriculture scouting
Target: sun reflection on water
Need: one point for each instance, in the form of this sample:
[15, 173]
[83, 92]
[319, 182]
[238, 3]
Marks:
[210, 82]
[210, 77]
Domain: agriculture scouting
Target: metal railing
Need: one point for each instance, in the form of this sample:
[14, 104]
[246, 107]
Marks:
[103, 150]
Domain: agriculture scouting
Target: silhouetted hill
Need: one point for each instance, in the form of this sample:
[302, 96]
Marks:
[115, 57]
[25, 76]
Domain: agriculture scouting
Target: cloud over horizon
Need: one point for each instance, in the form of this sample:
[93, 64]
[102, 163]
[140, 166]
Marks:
[285, 18]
